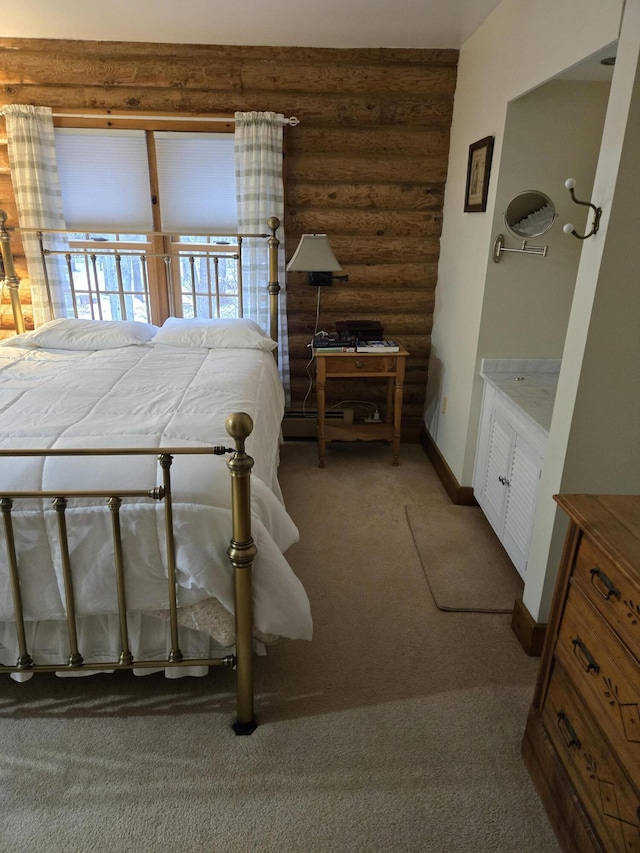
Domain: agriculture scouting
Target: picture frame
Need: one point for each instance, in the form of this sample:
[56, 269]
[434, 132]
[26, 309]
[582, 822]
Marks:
[478, 172]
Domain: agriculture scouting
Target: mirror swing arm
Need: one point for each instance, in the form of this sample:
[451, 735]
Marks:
[526, 249]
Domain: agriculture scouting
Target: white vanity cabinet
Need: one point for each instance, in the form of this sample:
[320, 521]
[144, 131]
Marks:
[510, 454]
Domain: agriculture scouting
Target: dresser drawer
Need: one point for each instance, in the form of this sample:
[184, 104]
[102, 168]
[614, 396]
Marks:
[606, 676]
[607, 794]
[612, 592]
[361, 363]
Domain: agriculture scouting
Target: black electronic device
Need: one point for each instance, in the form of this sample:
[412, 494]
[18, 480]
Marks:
[333, 340]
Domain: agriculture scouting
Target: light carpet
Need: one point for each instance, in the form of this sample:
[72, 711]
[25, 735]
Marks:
[465, 565]
[397, 729]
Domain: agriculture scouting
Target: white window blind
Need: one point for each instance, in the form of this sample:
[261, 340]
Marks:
[104, 178]
[197, 180]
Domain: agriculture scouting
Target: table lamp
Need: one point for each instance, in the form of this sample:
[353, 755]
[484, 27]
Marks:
[315, 256]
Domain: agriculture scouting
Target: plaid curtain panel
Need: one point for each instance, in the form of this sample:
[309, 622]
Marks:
[260, 194]
[34, 174]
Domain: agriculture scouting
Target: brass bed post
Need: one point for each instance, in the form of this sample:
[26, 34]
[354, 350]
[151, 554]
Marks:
[165, 460]
[274, 286]
[24, 658]
[75, 658]
[10, 278]
[242, 553]
[114, 503]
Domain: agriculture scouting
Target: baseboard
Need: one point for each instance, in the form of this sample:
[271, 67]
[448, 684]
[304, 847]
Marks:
[530, 633]
[462, 495]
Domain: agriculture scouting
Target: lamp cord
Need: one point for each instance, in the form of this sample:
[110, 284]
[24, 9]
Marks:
[315, 331]
[311, 360]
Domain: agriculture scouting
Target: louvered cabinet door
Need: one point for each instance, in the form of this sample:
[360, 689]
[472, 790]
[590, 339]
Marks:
[499, 454]
[520, 502]
[506, 478]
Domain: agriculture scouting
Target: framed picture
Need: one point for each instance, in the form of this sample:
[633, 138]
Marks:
[478, 170]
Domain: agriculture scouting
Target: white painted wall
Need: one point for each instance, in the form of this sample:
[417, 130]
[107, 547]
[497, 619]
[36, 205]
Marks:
[527, 298]
[520, 46]
[594, 442]
[597, 410]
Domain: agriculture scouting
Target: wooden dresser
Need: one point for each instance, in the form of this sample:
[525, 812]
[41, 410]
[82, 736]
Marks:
[582, 739]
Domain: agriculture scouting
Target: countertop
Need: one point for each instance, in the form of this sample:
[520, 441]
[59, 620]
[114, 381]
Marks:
[530, 383]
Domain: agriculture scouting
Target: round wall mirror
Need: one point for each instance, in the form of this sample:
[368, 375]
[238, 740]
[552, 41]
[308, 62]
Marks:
[530, 214]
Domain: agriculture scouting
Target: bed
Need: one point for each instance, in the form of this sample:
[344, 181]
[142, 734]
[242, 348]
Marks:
[133, 536]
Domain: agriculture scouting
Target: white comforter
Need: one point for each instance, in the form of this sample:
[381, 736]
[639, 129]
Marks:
[145, 396]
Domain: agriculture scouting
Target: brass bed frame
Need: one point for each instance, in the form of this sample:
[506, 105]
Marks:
[241, 551]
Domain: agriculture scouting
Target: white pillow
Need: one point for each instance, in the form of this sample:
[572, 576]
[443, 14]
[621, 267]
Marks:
[16, 340]
[73, 334]
[213, 334]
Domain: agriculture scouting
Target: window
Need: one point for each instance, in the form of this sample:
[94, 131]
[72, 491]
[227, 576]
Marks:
[181, 183]
[109, 276]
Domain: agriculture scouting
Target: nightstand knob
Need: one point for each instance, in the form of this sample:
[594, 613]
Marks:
[359, 363]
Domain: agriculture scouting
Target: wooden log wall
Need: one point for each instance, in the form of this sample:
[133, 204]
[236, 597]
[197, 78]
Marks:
[367, 164]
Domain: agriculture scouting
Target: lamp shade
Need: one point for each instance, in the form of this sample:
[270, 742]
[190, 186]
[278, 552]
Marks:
[314, 254]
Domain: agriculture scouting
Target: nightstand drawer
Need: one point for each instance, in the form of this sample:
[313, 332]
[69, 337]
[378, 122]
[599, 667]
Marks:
[607, 677]
[605, 790]
[361, 363]
[611, 591]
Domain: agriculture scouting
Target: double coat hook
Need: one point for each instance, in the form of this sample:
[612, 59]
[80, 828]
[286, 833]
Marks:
[597, 211]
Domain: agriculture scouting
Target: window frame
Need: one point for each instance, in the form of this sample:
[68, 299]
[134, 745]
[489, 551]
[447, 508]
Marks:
[165, 295]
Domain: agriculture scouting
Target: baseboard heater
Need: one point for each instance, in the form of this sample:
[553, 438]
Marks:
[345, 415]
[304, 424]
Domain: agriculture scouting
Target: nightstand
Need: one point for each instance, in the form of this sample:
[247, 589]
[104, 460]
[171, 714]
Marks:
[349, 365]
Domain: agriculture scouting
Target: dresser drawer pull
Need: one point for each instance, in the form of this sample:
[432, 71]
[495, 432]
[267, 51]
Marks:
[567, 731]
[603, 581]
[581, 651]
[359, 363]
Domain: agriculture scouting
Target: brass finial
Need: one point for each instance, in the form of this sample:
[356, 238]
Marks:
[239, 426]
[274, 223]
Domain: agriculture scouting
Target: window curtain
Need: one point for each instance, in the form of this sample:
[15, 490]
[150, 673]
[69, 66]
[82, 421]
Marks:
[32, 162]
[260, 194]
